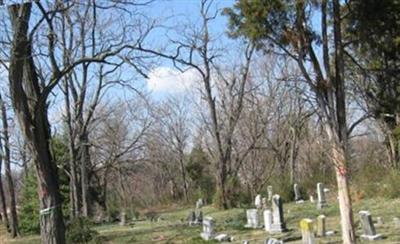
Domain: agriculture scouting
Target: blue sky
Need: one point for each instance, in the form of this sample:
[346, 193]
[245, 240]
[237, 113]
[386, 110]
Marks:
[175, 14]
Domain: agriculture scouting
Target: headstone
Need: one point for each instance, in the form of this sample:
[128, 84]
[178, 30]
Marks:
[278, 223]
[267, 220]
[368, 227]
[321, 225]
[396, 222]
[321, 196]
[379, 221]
[199, 217]
[264, 202]
[223, 238]
[307, 231]
[246, 242]
[253, 220]
[208, 229]
[257, 201]
[273, 241]
[269, 189]
[191, 218]
[123, 219]
[199, 203]
[312, 199]
[297, 194]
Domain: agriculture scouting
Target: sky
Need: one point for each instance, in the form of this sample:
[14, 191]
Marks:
[164, 79]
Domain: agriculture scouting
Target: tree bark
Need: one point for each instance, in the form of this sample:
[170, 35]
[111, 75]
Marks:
[340, 144]
[30, 107]
[346, 210]
[3, 200]
[85, 164]
[7, 164]
[183, 172]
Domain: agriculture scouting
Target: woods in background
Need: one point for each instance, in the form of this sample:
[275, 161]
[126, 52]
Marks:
[297, 92]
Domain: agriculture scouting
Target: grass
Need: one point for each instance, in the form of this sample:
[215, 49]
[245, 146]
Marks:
[173, 228]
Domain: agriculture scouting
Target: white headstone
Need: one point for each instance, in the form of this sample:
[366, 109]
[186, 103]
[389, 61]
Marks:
[258, 202]
[297, 194]
[396, 222]
[267, 220]
[208, 229]
[199, 203]
[252, 219]
[269, 189]
[223, 238]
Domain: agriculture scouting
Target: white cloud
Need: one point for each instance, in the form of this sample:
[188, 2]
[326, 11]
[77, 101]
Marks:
[165, 79]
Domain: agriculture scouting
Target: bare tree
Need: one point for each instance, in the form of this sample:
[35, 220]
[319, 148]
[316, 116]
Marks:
[196, 52]
[30, 91]
[4, 214]
[174, 131]
[5, 155]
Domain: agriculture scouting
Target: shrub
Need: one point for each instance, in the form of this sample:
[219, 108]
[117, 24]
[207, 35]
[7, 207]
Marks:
[236, 222]
[373, 177]
[79, 231]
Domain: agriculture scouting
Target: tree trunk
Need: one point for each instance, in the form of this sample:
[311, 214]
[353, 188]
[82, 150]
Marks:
[346, 210]
[30, 106]
[183, 171]
[75, 200]
[292, 157]
[7, 164]
[85, 164]
[223, 200]
[3, 201]
[340, 140]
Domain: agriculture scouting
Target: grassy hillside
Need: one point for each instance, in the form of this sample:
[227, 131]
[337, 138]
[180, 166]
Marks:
[173, 227]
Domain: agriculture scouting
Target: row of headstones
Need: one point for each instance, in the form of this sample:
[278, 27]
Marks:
[275, 223]
[209, 233]
[369, 231]
[321, 199]
[306, 225]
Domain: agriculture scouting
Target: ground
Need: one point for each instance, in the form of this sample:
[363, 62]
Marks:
[173, 228]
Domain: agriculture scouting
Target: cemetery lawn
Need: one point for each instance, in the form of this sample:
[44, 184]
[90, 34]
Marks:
[173, 227]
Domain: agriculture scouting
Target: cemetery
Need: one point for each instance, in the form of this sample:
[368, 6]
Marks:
[199, 121]
[277, 222]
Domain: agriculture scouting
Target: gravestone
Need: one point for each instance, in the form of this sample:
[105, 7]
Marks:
[246, 242]
[257, 201]
[273, 241]
[312, 199]
[321, 196]
[199, 217]
[368, 227]
[264, 203]
[278, 223]
[396, 222]
[191, 218]
[123, 219]
[267, 220]
[297, 194]
[253, 220]
[321, 225]
[269, 189]
[379, 221]
[307, 231]
[199, 203]
[223, 238]
[208, 229]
